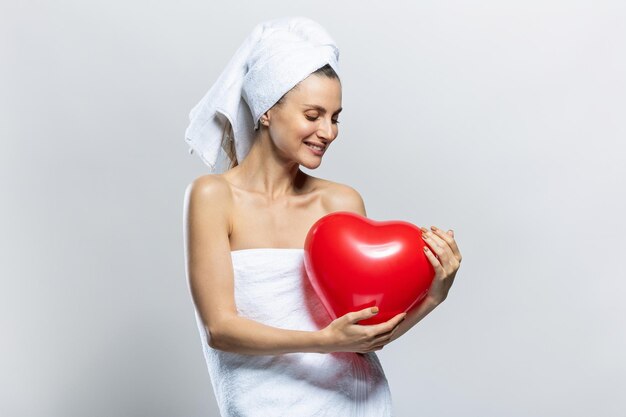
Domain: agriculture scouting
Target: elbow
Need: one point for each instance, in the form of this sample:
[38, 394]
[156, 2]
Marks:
[211, 337]
[216, 337]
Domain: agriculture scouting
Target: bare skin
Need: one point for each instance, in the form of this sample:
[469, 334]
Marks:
[268, 202]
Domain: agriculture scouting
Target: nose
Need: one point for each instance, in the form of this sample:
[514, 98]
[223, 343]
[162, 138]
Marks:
[326, 130]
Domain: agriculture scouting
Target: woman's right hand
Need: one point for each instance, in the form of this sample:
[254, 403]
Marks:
[344, 335]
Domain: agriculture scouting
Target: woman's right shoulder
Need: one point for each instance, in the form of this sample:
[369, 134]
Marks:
[210, 189]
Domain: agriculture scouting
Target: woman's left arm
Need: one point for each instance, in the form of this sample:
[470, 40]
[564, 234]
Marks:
[441, 250]
[445, 257]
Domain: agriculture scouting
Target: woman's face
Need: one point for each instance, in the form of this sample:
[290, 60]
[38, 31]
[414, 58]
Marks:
[307, 117]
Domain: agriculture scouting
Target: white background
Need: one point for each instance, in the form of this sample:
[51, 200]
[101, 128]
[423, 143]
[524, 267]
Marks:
[502, 120]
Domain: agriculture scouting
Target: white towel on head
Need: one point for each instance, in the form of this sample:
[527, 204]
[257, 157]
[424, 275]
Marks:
[276, 56]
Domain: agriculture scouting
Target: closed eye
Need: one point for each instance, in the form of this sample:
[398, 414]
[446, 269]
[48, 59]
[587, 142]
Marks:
[315, 118]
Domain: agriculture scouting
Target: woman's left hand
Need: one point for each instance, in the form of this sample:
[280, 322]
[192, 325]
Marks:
[445, 257]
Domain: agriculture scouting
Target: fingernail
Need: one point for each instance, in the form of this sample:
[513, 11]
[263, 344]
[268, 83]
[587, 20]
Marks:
[433, 227]
[375, 310]
[425, 248]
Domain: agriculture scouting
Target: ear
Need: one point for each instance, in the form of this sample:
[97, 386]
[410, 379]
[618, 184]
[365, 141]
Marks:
[265, 118]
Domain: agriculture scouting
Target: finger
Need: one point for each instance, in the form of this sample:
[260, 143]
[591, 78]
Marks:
[388, 325]
[387, 334]
[448, 237]
[366, 313]
[379, 347]
[385, 337]
[385, 327]
[437, 245]
[439, 271]
[443, 250]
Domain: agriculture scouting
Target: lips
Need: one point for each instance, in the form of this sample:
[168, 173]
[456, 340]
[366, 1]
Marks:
[322, 146]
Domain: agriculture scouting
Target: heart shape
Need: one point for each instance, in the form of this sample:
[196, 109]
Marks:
[354, 262]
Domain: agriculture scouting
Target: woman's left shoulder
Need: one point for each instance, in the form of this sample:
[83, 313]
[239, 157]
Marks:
[340, 197]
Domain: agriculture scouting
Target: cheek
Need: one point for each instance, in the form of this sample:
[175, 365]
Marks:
[304, 129]
[295, 131]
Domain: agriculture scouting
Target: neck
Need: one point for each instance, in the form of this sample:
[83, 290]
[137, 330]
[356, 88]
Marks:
[264, 171]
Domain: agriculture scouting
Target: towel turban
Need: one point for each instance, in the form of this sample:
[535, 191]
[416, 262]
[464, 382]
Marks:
[275, 56]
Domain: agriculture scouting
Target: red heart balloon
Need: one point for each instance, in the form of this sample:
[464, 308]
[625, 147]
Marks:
[354, 262]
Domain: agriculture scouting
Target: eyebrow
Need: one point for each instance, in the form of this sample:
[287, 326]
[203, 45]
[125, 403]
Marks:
[320, 108]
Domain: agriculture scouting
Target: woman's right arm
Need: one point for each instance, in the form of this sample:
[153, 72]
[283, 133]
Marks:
[211, 282]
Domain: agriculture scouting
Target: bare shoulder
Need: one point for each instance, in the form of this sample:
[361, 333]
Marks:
[209, 188]
[341, 197]
[211, 184]
[211, 195]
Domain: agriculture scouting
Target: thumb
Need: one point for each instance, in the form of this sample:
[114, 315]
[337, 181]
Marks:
[371, 311]
[366, 313]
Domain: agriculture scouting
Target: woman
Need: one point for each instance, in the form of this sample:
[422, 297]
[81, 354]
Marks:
[270, 347]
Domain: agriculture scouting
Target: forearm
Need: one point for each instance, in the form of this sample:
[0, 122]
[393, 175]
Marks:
[413, 316]
[239, 334]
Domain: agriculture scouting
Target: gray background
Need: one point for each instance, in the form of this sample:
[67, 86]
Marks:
[502, 120]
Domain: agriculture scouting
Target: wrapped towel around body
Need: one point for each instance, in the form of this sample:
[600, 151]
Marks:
[271, 287]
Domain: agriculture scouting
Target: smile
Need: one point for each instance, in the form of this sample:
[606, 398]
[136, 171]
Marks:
[317, 150]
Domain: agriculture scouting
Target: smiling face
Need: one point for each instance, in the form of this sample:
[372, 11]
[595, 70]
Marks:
[307, 116]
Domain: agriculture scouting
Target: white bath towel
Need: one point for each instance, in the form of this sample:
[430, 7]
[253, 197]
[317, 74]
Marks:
[271, 287]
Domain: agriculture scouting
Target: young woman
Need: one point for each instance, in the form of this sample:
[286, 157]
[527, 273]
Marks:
[270, 346]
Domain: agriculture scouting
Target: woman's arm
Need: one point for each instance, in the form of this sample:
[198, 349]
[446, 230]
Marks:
[211, 279]
[413, 316]
[445, 257]
[349, 199]
[241, 335]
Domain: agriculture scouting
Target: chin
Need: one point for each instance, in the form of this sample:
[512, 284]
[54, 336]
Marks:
[311, 165]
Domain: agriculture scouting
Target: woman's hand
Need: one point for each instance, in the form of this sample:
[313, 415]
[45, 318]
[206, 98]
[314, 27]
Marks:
[344, 335]
[445, 257]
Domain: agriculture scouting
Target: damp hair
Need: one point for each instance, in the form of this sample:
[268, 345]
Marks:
[228, 144]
